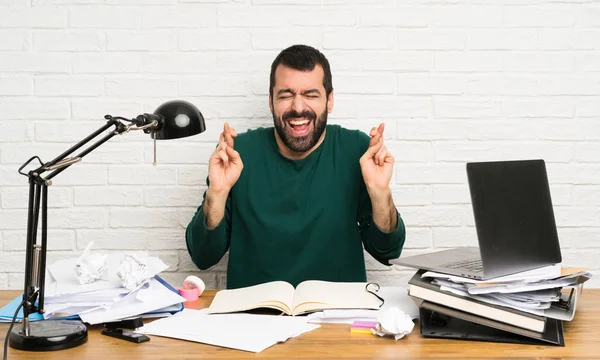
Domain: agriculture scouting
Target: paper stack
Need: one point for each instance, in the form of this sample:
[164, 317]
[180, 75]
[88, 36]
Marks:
[531, 304]
[248, 332]
[103, 300]
[393, 296]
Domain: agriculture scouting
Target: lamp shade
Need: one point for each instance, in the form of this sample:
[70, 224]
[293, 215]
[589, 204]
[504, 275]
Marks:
[179, 119]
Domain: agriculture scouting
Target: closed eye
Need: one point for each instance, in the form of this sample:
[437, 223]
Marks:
[312, 93]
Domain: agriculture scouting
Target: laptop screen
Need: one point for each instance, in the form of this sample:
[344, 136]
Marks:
[513, 214]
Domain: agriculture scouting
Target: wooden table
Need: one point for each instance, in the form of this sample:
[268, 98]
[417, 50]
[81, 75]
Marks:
[334, 341]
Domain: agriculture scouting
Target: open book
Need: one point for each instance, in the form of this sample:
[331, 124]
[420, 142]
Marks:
[309, 296]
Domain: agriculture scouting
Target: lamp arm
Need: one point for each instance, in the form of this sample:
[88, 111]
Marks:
[65, 164]
[35, 255]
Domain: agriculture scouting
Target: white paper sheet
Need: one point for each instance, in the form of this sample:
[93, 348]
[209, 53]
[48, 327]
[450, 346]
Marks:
[502, 302]
[342, 316]
[54, 311]
[530, 286]
[393, 296]
[146, 299]
[247, 332]
[99, 296]
[546, 272]
[339, 320]
[541, 295]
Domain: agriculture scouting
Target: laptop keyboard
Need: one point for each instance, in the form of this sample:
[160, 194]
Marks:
[472, 265]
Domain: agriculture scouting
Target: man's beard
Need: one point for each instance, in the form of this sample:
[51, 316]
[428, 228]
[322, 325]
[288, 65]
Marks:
[303, 143]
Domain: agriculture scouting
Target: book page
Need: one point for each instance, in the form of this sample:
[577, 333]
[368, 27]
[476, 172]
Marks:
[319, 295]
[275, 295]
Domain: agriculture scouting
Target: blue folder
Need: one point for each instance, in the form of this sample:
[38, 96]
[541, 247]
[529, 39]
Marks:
[8, 311]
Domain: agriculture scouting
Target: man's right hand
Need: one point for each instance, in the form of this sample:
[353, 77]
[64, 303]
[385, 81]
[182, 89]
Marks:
[225, 165]
[224, 169]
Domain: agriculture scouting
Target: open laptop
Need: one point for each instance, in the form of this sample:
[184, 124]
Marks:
[514, 219]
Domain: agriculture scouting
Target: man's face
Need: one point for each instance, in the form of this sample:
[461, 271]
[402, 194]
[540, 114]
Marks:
[300, 106]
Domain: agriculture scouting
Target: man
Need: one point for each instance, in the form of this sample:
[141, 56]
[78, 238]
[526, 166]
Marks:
[297, 201]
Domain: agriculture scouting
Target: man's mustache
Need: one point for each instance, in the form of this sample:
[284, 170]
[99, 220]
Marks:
[293, 114]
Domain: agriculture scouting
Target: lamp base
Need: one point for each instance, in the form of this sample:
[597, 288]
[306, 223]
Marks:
[49, 335]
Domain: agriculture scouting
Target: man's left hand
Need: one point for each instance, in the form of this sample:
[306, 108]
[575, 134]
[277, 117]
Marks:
[377, 164]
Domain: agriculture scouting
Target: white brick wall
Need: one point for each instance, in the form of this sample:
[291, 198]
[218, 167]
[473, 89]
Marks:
[455, 81]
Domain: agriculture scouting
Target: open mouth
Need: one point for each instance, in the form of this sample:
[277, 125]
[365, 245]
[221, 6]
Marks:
[300, 126]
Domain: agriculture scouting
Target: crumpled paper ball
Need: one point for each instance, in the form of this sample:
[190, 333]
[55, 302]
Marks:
[394, 322]
[133, 272]
[91, 267]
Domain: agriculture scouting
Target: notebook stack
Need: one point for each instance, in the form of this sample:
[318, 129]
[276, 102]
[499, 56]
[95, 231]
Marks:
[519, 311]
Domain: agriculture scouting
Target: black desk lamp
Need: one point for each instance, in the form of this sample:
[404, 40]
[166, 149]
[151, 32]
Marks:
[172, 120]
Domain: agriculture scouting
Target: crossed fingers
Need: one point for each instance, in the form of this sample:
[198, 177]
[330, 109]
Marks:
[377, 149]
[227, 135]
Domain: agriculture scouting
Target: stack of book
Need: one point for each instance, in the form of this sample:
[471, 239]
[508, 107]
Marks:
[528, 311]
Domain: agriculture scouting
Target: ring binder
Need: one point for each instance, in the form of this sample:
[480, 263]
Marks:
[437, 321]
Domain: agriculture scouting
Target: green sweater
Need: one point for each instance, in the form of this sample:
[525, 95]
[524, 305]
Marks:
[295, 220]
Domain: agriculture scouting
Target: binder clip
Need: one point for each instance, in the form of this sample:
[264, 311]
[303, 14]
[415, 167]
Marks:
[562, 303]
